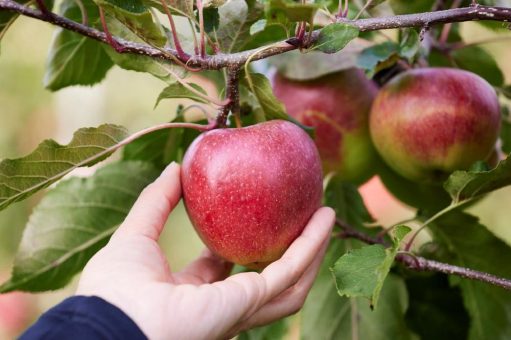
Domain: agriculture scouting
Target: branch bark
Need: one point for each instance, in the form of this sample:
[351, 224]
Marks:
[422, 264]
[232, 94]
[220, 61]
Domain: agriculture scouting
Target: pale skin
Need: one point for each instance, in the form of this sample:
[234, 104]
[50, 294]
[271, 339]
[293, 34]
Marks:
[202, 301]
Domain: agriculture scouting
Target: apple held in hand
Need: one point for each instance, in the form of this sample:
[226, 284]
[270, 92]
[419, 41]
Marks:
[250, 191]
[338, 106]
[428, 122]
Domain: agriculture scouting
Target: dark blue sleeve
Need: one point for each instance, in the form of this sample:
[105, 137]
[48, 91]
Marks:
[82, 317]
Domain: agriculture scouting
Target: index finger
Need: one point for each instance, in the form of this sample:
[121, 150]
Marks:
[150, 212]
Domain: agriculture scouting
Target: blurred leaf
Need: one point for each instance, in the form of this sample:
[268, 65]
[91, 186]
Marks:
[436, 308]
[177, 90]
[410, 44]
[161, 147]
[72, 222]
[73, 58]
[22, 177]
[274, 331]
[469, 244]
[378, 57]
[423, 196]
[327, 316]
[477, 60]
[271, 107]
[258, 26]
[211, 19]
[7, 17]
[269, 34]
[283, 11]
[505, 130]
[236, 18]
[306, 66]
[506, 91]
[465, 185]
[335, 37]
[347, 202]
[407, 6]
[135, 16]
[362, 272]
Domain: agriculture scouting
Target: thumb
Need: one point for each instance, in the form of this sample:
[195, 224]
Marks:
[152, 208]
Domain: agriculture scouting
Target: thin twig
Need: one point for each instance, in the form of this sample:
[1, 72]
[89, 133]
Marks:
[419, 263]
[180, 52]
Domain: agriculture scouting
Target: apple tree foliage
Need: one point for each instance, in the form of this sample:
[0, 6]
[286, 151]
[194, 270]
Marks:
[362, 291]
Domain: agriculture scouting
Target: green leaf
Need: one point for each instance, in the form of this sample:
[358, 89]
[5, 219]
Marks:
[505, 130]
[436, 308]
[410, 44]
[378, 57]
[327, 316]
[258, 26]
[287, 11]
[72, 222]
[271, 107]
[465, 242]
[73, 58]
[160, 69]
[362, 272]
[137, 18]
[22, 177]
[335, 37]
[476, 59]
[506, 91]
[161, 147]
[466, 185]
[211, 19]
[177, 90]
[236, 18]
[347, 202]
[274, 331]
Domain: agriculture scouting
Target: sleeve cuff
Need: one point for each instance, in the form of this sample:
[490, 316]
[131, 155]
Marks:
[84, 317]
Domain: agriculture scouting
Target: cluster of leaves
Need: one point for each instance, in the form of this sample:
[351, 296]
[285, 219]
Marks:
[359, 291]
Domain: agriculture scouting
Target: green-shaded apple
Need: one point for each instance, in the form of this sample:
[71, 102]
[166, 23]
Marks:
[338, 106]
[428, 122]
[250, 191]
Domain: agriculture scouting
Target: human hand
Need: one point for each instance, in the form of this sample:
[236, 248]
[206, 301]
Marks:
[200, 302]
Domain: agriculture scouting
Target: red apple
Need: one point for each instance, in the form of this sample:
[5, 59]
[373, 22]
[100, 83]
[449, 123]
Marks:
[428, 122]
[338, 106]
[250, 191]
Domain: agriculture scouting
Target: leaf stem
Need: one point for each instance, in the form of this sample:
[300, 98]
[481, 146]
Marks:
[200, 9]
[180, 52]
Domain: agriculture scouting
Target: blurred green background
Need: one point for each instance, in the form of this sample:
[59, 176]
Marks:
[29, 114]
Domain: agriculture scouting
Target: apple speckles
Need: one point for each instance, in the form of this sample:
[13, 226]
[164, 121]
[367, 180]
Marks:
[251, 194]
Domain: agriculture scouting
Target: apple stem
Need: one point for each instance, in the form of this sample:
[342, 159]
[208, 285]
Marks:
[232, 96]
[421, 264]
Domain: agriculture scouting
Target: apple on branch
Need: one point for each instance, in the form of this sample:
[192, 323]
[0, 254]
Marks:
[250, 191]
[428, 122]
[338, 106]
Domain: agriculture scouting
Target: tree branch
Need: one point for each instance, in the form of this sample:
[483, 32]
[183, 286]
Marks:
[220, 61]
[419, 263]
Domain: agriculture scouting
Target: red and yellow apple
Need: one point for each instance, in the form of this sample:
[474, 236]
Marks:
[428, 122]
[250, 191]
[338, 106]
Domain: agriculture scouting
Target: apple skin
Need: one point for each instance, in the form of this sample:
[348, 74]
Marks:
[428, 122]
[338, 106]
[250, 191]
